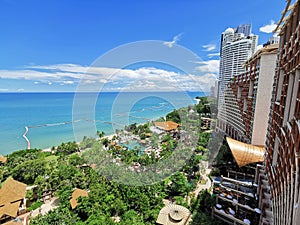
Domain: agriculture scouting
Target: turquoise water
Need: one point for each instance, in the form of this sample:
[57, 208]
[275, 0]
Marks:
[49, 116]
[134, 144]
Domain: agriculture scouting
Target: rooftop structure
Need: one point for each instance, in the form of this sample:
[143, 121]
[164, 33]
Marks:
[13, 222]
[166, 126]
[2, 159]
[173, 214]
[244, 29]
[75, 195]
[12, 195]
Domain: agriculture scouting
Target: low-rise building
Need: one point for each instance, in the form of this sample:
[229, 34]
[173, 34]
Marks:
[166, 126]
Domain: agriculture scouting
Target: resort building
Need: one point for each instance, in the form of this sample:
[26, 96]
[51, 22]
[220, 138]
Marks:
[206, 123]
[12, 201]
[237, 45]
[243, 115]
[166, 126]
[282, 163]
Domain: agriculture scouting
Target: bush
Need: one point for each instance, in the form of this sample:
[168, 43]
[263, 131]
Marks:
[215, 172]
[35, 205]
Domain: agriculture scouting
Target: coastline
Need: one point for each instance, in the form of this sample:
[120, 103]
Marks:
[110, 136]
[36, 116]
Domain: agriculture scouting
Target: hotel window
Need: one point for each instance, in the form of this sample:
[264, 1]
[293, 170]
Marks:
[289, 98]
[239, 92]
[245, 105]
[294, 95]
[251, 86]
[286, 34]
[279, 85]
[292, 26]
[275, 152]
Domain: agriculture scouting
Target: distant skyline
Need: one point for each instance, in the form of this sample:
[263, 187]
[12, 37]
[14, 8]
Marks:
[48, 45]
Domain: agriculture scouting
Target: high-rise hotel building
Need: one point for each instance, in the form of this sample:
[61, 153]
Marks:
[247, 98]
[237, 45]
[282, 159]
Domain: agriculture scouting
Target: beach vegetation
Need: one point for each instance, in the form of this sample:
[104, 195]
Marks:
[174, 116]
[67, 148]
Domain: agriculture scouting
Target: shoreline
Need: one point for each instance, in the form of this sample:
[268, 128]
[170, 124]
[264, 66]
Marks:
[48, 149]
[46, 146]
[110, 136]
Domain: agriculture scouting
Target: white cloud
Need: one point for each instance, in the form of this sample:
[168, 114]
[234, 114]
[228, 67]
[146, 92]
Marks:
[268, 28]
[210, 66]
[209, 47]
[68, 82]
[213, 55]
[207, 80]
[145, 78]
[170, 44]
[21, 90]
[89, 81]
[3, 89]
[101, 81]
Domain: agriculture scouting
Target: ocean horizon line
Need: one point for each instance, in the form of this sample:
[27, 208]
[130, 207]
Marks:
[93, 92]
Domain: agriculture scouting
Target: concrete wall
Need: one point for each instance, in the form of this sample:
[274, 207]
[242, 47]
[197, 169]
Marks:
[263, 98]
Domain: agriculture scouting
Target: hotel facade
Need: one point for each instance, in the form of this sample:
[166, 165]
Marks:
[282, 159]
[243, 115]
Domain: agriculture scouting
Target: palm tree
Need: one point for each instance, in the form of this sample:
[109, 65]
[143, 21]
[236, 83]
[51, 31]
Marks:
[100, 134]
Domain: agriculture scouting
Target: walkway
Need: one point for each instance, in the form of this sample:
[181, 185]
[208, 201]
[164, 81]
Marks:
[200, 186]
[45, 208]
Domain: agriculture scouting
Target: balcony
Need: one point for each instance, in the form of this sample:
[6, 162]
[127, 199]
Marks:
[236, 201]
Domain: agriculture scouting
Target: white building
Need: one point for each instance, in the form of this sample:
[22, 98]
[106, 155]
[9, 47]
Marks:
[236, 48]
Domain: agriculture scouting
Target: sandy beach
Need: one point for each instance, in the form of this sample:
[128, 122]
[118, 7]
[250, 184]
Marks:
[109, 137]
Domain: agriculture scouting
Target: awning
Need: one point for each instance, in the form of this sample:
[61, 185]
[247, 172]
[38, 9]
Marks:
[245, 154]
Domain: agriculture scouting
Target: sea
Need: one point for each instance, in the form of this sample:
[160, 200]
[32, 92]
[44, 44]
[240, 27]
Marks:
[53, 118]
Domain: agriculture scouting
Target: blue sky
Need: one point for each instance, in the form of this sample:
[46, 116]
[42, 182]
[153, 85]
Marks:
[48, 45]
